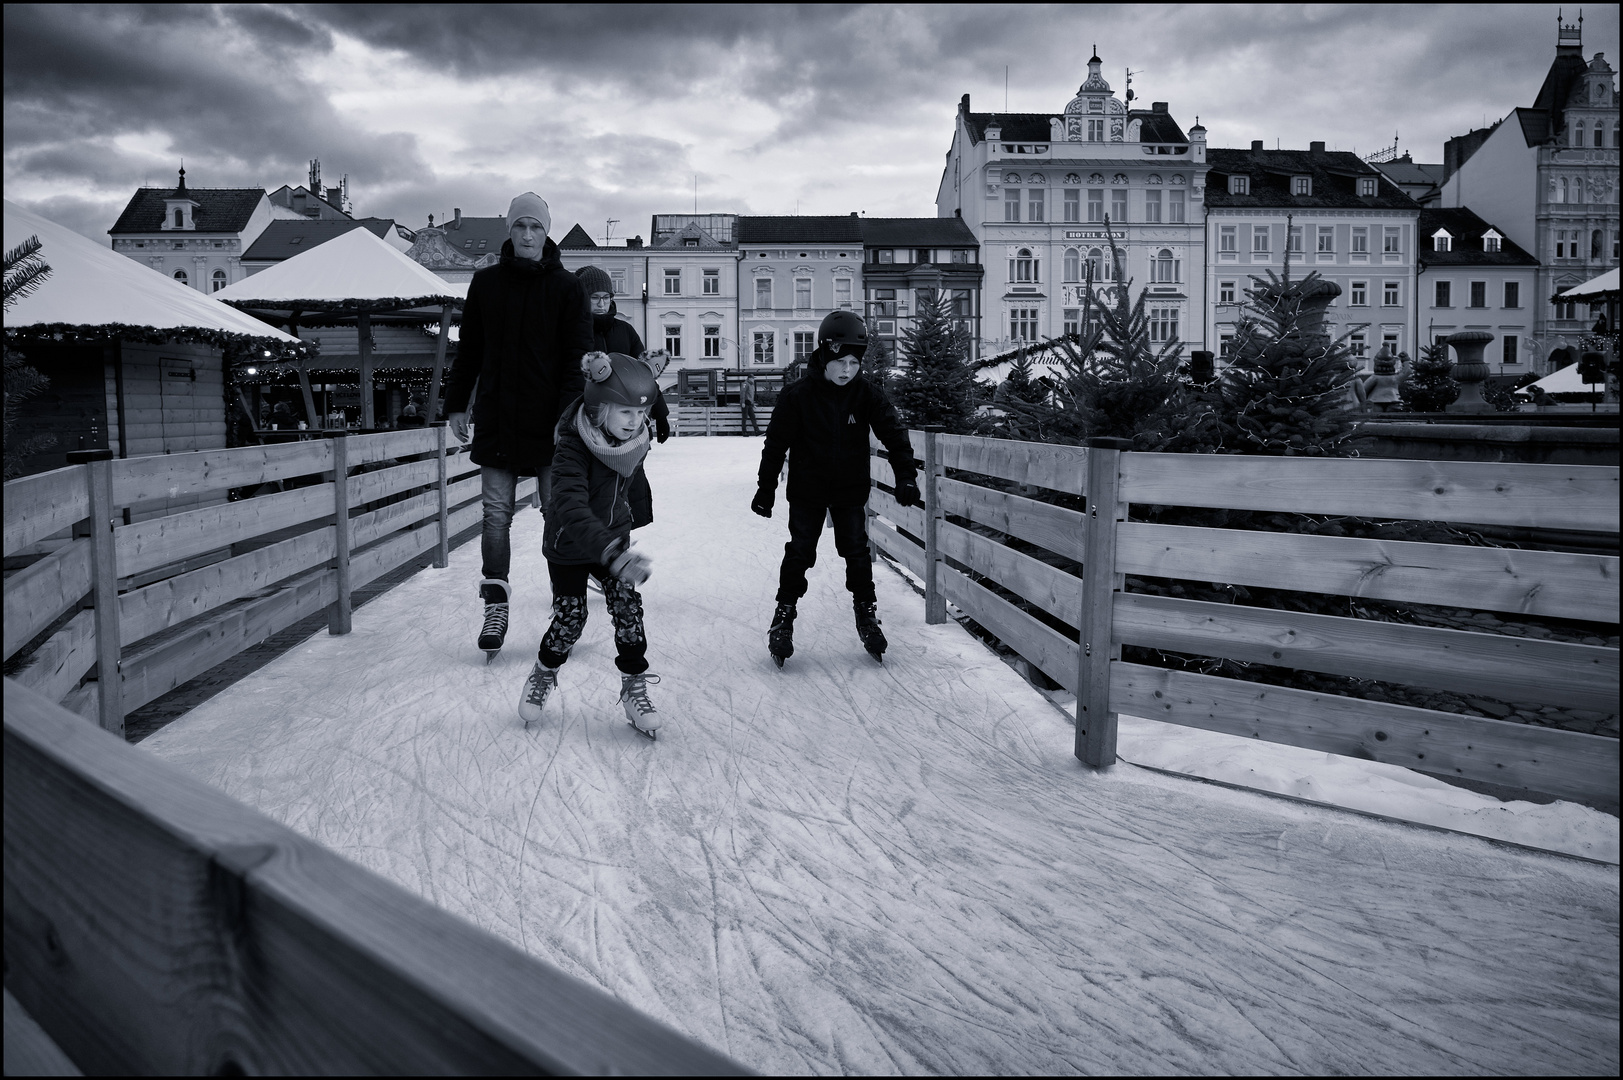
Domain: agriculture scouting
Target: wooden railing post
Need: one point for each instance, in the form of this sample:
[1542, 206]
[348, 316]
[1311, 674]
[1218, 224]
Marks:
[935, 603]
[104, 586]
[1095, 722]
[442, 553]
[338, 615]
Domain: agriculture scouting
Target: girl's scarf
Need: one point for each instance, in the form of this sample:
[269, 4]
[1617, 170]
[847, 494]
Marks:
[622, 457]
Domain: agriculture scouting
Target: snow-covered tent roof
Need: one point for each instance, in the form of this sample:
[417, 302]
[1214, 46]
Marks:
[1594, 289]
[94, 292]
[1564, 381]
[345, 276]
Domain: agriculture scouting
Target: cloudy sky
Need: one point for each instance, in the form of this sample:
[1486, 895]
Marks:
[613, 112]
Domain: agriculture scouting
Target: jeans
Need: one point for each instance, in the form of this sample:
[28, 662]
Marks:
[748, 417]
[800, 553]
[495, 543]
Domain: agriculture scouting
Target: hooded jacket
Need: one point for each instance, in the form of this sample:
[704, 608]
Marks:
[525, 327]
[823, 429]
[591, 505]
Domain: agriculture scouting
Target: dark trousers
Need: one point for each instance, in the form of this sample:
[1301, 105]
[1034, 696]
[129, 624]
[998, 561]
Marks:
[569, 617]
[747, 411]
[800, 553]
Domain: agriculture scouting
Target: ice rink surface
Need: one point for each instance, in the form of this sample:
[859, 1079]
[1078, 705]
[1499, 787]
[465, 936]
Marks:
[849, 868]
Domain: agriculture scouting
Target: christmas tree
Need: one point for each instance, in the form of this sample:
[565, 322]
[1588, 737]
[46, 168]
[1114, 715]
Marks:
[1022, 385]
[933, 385]
[1429, 387]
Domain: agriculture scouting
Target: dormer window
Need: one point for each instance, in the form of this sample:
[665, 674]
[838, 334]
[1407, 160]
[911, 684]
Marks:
[1441, 240]
[1367, 186]
[1239, 185]
[1491, 241]
[1301, 185]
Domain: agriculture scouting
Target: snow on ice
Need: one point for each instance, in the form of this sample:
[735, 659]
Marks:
[843, 867]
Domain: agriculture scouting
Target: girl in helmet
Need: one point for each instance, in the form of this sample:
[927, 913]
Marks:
[601, 441]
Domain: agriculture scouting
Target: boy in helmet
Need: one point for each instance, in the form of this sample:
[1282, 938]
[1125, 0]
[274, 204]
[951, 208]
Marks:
[601, 442]
[822, 422]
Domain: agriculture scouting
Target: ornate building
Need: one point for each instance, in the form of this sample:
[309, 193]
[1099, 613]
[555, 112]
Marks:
[792, 271]
[195, 235]
[1036, 190]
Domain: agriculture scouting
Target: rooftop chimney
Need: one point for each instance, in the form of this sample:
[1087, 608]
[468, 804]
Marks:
[1256, 145]
[1158, 106]
[458, 212]
[1315, 147]
[634, 242]
[963, 105]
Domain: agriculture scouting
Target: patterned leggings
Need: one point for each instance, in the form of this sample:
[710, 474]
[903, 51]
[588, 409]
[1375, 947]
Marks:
[569, 617]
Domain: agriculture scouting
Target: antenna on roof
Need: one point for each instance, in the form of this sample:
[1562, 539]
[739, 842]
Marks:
[1130, 74]
[1005, 87]
[608, 229]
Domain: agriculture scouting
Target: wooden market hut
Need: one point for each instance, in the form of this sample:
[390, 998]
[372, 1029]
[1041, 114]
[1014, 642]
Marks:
[376, 299]
[135, 360]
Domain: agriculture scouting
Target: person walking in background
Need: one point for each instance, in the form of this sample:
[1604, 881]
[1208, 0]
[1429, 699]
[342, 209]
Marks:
[525, 327]
[746, 404]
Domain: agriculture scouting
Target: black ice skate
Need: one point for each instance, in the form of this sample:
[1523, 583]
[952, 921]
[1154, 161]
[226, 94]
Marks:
[495, 593]
[873, 638]
[538, 687]
[780, 640]
[640, 711]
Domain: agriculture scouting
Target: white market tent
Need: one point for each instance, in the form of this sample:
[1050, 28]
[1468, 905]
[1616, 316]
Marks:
[353, 278]
[1564, 381]
[1594, 289]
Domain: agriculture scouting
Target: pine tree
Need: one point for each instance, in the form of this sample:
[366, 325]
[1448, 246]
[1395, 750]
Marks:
[1022, 385]
[1430, 388]
[25, 271]
[934, 385]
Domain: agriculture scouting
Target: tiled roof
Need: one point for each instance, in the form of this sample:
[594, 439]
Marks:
[475, 236]
[1546, 119]
[218, 210]
[284, 238]
[1466, 250]
[1159, 127]
[1335, 180]
[800, 230]
[576, 239]
[1407, 171]
[916, 232]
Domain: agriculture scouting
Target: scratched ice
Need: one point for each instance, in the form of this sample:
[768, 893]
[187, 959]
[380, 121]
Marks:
[843, 867]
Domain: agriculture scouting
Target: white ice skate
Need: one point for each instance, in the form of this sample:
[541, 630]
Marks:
[538, 687]
[640, 711]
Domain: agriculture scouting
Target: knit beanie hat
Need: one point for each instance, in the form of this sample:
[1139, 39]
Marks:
[595, 279]
[530, 205]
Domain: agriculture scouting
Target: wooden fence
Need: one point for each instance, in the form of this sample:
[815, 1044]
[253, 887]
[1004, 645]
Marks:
[162, 600]
[714, 419]
[960, 509]
[155, 926]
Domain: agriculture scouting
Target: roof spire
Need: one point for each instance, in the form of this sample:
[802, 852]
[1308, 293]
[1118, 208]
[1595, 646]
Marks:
[182, 186]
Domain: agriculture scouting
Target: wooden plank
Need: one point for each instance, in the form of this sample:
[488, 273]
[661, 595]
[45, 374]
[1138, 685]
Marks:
[387, 519]
[38, 595]
[28, 1050]
[1561, 763]
[1581, 497]
[1485, 665]
[157, 926]
[339, 614]
[385, 445]
[466, 518]
[367, 566]
[1042, 645]
[104, 592]
[884, 503]
[1549, 583]
[1048, 526]
[1052, 589]
[147, 544]
[170, 602]
[459, 466]
[164, 476]
[1059, 468]
[897, 546]
[1101, 584]
[45, 503]
[57, 666]
[371, 486]
[462, 490]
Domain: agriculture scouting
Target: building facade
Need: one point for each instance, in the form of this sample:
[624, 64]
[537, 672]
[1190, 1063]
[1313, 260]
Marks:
[1326, 211]
[904, 257]
[1548, 176]
[692, 300]
[1474, 277]
[792, 271]
[627, 266]
[1037, 190]
[455, 249]
[197, 236]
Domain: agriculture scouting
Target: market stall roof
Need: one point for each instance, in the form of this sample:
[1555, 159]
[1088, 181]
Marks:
[93, 292]
[1596, 288]
[349, 275]
[1564, 381]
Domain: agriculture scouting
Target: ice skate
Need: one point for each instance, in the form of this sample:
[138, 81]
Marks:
[780, 640]
[538, 687]
[495, 593]
[873, 638]
[640, 711]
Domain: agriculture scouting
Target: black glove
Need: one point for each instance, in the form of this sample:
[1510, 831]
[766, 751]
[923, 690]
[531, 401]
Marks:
[907, 493]
[762, 504]
[662, 427]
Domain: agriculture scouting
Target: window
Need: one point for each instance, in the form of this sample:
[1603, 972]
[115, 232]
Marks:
[1563, 197]
[1259, 239]
[1479, 294]
[1327, 240]
[1296, 239]
[805, 343]
[618, 277]
[1577, 139]
[1392, 242]
[962, 303]
[1073, 204]
[1508, 353]
[762, 353]
[1225, 343]
[1301, 185]
[1490, 242]
[1360, 240]
[1225, 292]
[218, 281]
[842, 292]
[673, 341]
[1239, 185]
[1390, 340]
[1359, 345]
[1175, 205]
[1360, 294]
[763, 293]
[180, 219]
[712, 342]
[1073, 265]
[1513, 294]
[1163, 324]
[712, 283]
[1227, 238]
[1389, 293]
[1118, 206]
[1440, 241]
[1023, 267]
[1098, 265]
[803, 295]
[1011, 204]
[1073, 320]
[960, 256]
[1152, 206]
[1595, 242]
[885, 256]
[1096, 204]
[1367, 186]
[1034, 204]
[1165, 267]
[1023, 324]
[1600, 136]
[1096, 131]
[1442, 296]
[673, 282]
[180, 276]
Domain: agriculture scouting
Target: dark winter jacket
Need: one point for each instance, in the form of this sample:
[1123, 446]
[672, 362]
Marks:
[591, 504]
[823, 429]
[610, 334]
[524, 329]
